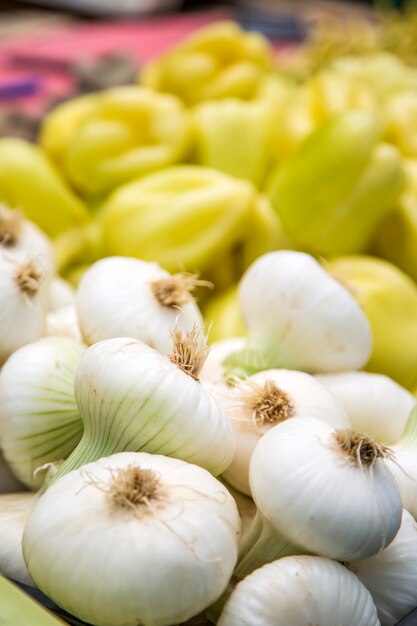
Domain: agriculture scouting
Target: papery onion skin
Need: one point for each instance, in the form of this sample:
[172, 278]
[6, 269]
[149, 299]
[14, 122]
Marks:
[299, 317]
[15, 509]
[39, 418]
[113, 566]
[317, 496]
[22, 315]
[300, 591]
[391, 577]
[133, 398]
[375, 403]
[115, 299]
[304, 394]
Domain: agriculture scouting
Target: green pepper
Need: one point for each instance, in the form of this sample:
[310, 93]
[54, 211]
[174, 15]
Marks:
[117, 136]
[31, 183]
[332, 193]
[220, 61]
[184, 217]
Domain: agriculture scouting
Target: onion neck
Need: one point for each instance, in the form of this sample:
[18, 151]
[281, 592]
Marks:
[91, 448]
[261, 545]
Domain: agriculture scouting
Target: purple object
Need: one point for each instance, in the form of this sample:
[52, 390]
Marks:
[19, 88]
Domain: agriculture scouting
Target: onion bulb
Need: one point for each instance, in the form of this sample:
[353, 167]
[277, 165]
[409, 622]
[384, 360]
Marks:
[39, 418]
[299, 317]
[319, 490]
[391, 576]
[22, 303]
[133, 398]
[266, 399]
[375, 403]
[133, 539]
[300, 591]
[15, 509]
[126, 297]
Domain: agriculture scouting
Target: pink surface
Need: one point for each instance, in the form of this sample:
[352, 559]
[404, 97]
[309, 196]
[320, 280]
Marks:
[141, 39]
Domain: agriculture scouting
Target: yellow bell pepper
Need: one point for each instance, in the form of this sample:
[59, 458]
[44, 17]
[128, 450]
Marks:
[60, 124]
[264, 233]
[184, 217]
[220, 61]
[396, 238]
[31, 183]
[401, 122]
[123, 133]
[235, 137]
[332, 193]
[389, 299]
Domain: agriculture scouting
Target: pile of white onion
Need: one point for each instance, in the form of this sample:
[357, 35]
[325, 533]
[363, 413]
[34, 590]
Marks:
[144, 452]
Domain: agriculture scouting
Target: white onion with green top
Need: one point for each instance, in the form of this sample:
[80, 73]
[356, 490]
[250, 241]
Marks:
[132, 397]
[133, 539]
[319, 490]
[22, 303]
[39, 418]
[391, 576]
[375, 403]
[260, 402]
[298, 317]
[15, 509]
[300, 591]
[127, 297]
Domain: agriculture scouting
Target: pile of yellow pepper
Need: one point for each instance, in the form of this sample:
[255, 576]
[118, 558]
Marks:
[219, 155]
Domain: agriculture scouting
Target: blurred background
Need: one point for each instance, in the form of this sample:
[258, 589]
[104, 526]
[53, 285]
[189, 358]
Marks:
[51, 50]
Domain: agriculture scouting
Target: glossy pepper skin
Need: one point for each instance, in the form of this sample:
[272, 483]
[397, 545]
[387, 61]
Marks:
[389, 299]
[60, 124]
[332, 193]
[396, 238]
[220, 61]
[117, 136]
[30, 182]
[234, 137]
[185, 217]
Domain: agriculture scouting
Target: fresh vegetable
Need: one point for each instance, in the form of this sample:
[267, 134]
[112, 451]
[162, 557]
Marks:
[389, 299]
[133, 398]
[374, 403]
[220, 61]
[300, 590]
[165, 540]
[40, 421]
[298, 317]
[30, 182]
[128, 132]
[260, 402]
[125, 297]
[15, 509]
[183, 217]
[22, 303]
[390, 577]
[338, 186]
[350, 510]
